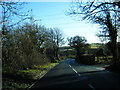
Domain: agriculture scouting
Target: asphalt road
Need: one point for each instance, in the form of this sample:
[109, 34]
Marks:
[70, 74]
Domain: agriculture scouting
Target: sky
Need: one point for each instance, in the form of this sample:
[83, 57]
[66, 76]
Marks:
[54, 14]
[62, 0]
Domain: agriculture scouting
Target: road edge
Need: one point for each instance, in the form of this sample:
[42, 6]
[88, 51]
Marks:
[40, 77]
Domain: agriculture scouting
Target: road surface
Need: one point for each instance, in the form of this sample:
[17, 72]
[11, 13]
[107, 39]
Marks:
[70, 74]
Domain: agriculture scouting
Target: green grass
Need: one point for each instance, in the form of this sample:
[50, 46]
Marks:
[24, 78]
[102, 60]
[95, 46]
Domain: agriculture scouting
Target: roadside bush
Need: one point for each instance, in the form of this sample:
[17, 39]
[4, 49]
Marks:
[21, 48]
[28, 45]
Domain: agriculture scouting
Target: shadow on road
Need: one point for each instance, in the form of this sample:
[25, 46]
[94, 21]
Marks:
[63, 76]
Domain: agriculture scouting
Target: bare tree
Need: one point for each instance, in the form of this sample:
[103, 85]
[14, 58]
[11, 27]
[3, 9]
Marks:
[59, 40]
[55, 40]
[12, 14]
[104, 13]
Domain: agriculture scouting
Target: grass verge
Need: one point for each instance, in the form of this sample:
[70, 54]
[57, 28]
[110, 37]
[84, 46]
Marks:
[24, 78]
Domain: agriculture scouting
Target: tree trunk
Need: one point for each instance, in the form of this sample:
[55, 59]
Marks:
[113, 37]
[56, 53]
[78, 54]
[118, 52]
[114, 54]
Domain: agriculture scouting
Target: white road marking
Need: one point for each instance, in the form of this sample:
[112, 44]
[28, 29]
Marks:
[91, 86]
[70, 66]
[74, 70]
[101, 68]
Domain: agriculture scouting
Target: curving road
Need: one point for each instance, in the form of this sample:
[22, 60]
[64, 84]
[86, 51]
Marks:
[70, 74]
